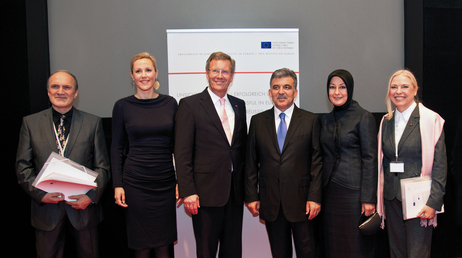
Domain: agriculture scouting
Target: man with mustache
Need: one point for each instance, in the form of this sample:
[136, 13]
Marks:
[283, 169]
[78, 136]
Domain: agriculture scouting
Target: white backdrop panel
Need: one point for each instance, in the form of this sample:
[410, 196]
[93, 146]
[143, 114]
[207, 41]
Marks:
[258, 52]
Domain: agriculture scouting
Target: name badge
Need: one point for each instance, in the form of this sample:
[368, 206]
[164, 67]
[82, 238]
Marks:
[396, 167]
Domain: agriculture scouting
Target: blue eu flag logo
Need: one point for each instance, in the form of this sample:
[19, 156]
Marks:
[266, 45]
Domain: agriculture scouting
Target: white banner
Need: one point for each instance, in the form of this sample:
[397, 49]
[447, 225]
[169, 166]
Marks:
[258, 52]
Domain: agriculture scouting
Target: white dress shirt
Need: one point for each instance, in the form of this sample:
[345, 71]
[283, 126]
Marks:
[401, 121]
[288, 113]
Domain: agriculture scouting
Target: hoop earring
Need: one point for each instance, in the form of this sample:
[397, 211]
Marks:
[157, 84]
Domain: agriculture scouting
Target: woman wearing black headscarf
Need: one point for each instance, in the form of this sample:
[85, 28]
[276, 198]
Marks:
[349, 143]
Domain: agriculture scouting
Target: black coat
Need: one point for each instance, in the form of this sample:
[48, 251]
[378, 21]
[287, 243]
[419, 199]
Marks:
[203, 155]
[357, 166]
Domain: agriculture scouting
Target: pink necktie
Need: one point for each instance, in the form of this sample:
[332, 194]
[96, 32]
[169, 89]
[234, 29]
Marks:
[224, 120]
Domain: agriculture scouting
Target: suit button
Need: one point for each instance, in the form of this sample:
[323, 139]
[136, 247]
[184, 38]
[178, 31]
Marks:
[277, 180]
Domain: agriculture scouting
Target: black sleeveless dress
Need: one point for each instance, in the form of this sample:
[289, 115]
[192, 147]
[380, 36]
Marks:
[142, 163]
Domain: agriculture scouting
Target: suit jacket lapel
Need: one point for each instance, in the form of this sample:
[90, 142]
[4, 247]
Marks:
[294, 123]
[389, 130]
[47, 125]
[412, 124]
[270, 125]
[209, 107]
[76, 125]
[236, 117]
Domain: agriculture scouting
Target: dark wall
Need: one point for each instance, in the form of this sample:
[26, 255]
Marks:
[442, 42]
[433, 47]
[15, 104]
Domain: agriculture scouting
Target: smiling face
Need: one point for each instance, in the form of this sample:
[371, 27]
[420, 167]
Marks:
[402, 92]
[338, 93]
[219, 76]
[61, 91]
[144, 75]
[283, 92]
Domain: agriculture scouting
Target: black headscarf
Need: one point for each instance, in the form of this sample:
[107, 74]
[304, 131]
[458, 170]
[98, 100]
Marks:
[349, 83]
[348, 80]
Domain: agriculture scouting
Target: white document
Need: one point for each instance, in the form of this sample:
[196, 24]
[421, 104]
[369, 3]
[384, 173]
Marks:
[415, 192]
[60, 174]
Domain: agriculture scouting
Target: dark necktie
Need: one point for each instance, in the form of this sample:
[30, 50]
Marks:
[282, 131]
[61, 134]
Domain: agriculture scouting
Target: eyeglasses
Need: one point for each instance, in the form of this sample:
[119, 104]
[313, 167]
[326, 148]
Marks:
[217, 71]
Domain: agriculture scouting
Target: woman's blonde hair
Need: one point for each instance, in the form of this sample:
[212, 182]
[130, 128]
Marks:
[403, 72]
[142, 56]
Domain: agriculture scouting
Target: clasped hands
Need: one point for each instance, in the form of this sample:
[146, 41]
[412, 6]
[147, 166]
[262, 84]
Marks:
[81, 200]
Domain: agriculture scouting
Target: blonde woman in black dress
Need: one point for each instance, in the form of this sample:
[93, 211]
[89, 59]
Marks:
[142, 166]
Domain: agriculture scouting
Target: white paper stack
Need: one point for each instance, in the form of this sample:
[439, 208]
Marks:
[415, 192]
[60, 174]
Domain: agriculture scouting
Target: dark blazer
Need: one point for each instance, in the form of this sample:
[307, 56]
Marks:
[203, 156]
[410, 152]
[290, 178]
[86, 146]
[357, 166]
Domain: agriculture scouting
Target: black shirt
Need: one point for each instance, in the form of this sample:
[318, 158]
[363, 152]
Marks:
[67, 120]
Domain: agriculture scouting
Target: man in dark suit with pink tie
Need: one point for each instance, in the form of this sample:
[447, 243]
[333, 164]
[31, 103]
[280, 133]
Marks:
[283, 169]
[210, 139]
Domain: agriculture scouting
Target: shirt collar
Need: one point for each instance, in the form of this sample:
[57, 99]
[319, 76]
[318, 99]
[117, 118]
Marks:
[57, 115]
[288, 111]
[215, 98]
[407, 113]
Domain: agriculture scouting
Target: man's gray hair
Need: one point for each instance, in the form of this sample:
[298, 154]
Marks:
[282, 73]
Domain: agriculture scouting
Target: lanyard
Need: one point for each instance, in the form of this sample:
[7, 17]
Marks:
[396, 166]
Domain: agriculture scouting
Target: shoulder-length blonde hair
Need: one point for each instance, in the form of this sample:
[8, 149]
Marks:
[147, 56]
[408, 74]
